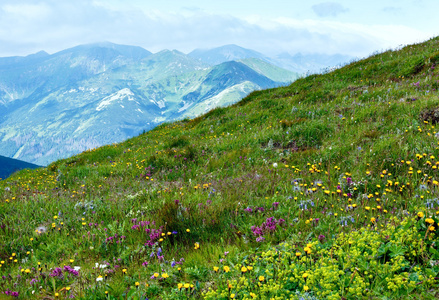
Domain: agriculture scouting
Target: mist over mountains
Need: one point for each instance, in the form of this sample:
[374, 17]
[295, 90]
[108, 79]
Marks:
[54, 106]
[299, 63]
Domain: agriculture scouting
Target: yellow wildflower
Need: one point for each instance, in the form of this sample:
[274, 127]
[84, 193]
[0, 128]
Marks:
[429, 221]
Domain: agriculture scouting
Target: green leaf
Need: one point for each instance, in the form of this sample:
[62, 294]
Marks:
[382, 250]
[434, 252]
[414, 277]
[396, 250]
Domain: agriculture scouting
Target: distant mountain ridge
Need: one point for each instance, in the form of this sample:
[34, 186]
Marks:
[225, 53]
[299, 63]
[309, 63]
[56, 105]
[10, 165]
[16, 60]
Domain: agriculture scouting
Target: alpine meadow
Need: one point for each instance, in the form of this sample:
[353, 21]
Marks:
[327, 188]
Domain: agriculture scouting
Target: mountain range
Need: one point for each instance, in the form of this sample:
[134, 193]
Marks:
[54, 106]
[299, 63]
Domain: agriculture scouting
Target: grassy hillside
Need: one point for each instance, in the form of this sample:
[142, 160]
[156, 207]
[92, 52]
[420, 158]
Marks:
[325, 189]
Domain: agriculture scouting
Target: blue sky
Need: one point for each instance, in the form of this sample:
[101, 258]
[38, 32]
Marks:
[352, 27]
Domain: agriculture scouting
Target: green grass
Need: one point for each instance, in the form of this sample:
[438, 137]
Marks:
[322, 190]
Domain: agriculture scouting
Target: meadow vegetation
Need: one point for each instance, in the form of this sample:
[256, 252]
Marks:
[324, 189]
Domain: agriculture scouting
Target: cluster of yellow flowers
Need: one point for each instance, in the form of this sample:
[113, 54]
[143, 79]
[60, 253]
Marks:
[355, 263]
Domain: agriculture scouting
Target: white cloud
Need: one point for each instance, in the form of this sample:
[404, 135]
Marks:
[295, 35]
[53, 25]
[392, 10]
[29, 11]
[329, 9]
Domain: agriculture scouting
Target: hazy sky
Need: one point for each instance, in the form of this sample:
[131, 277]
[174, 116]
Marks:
[271, 26]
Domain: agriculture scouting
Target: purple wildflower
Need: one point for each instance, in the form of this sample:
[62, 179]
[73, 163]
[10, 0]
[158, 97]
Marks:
[56, 273]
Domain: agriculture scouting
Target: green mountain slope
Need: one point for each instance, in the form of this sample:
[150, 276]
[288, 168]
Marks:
[324, 189]
[9, 166]
[271, 71]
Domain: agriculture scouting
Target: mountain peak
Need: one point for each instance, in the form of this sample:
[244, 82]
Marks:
[23, 60]
[130, 52]
[170, 52]
[41, 53]
[231, 46]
